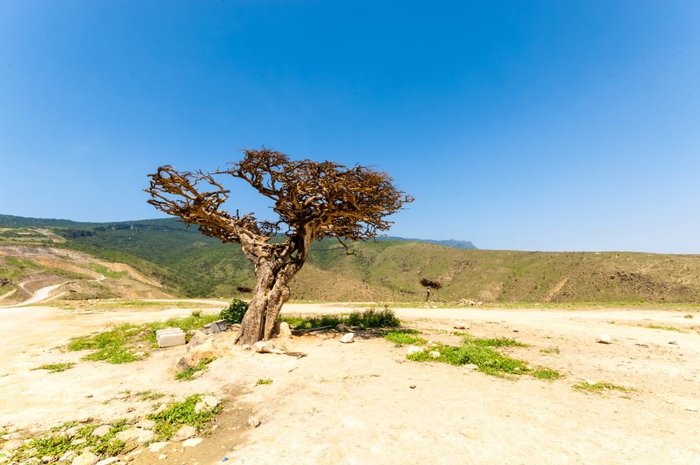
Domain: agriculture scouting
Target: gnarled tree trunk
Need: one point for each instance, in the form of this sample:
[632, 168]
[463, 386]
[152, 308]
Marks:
[271, 292]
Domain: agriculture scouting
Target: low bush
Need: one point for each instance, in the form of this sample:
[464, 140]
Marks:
[235, 311]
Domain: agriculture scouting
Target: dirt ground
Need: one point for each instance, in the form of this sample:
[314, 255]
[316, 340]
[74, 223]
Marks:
[364, 403]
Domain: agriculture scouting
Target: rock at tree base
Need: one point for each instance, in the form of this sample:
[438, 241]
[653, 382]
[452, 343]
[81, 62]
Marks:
[348, 338]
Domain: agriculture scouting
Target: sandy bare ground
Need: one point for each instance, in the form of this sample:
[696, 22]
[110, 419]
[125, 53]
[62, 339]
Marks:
[355, 404]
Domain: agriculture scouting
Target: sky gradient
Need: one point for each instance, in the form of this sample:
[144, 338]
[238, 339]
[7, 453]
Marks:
[534, 125]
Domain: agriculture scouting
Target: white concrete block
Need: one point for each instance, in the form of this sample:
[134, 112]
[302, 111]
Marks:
[170, 337]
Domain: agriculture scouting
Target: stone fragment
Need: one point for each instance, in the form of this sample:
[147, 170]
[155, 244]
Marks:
[185, 432]
[207, 403]
[340, 327]
[157, 446]
[195, 354]
[191, 442]
[198, 337]
[254, 421]
[604, 339]
[139, 435]
[101, 430]
[146, 424]
[410, 350]
[68, 456]
[170, 337]
[434, 354]
[86, 458]
[107, 461]
[459, 325]
[348, 338]
[265, 347]
[285, 332]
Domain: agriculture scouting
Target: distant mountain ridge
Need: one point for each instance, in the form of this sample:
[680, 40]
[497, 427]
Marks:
[10, 221]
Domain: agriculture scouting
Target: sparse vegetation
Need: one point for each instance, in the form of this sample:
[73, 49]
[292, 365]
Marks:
[122, 343]
[550, 351]
[263, 381]
[235, 311]
[56, 443]
[182, 413]
[106, 272]
[405, 337]
[372, 318]
[56, 367]
[189, 373]
[599, 387]
[480, 352]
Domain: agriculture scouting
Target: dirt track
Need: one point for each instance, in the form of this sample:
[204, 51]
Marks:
[352, 404]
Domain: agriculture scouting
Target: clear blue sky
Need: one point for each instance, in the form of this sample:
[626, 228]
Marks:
[537, 125]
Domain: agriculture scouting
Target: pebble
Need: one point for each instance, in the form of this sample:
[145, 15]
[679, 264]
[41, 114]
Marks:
[162, 457]
[191, 442]
[254, 421]
[107, 461]
[101, 430]
[459, 326]
[675, 343]
[348, 338]
[185, 432]
[413, 350]
[86, 458]
[207, 403]
[604, 339]
[157, 446]
[434, 354]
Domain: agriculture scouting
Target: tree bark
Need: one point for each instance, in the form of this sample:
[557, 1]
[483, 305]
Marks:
[270, 293]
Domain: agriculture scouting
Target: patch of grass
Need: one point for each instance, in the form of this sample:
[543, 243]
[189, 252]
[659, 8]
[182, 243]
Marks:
[188, 373]
[118, 345]
[600, 387]
[56, 442]
[665, 328]
[550, 351]
[182, 413]
[263, 381]
[371, 318]
[56, 367]
[481, 353]
[106, 272]
[404, 337]
[148, 395]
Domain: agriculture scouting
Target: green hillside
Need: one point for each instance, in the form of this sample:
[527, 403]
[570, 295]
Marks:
[193, 265]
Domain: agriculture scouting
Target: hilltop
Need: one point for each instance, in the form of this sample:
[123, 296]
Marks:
[183, 262]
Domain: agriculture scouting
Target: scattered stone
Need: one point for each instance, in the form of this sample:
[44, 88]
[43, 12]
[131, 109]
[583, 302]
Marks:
[254, 421]
[107, 461]
[689, 316]
[207, 403]
[79, 441]
[192, 442]
[185, 432]
[195, 354]
[48, 459]
[170, 337]
[412, 386]
[246, 347]
[146, 424]
[675, 343]
[604, 339]
[12, 445]
[157, 446]
[470, 367]
[162, 457]
[198, 337]
[139, 435]
[646, 346]
[86, 458]
[434, 354]
[342, 328]
[413, 350]
[101, 430]
[348, 338]
[265, 347]
[459, 326]
[68, 456]
[285, 332]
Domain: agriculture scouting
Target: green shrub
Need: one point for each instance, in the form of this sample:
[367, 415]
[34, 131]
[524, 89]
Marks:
[235, 311]
[368, 319]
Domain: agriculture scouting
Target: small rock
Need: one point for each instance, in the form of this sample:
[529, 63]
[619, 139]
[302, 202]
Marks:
[101, 430]
[265, 347]
[162, 456]
[246, 347]
[198, 337]
[646, 346]
[48, 459]
[604, 339]
[675, 343]
[157, 446]
[185, 432]
[413, 350]
[689, 316]
[135, 434]
[68, 456]
[348, 338]
[341, 328]
[191, 442]
[470, 367]
[12, 445]
[207, 403]
[79, 441]
[146, 424]
[86, 458]
[254, 421]
[434, 354]
[459, 326]
[285, 332]
[412, 386]
[107, 461]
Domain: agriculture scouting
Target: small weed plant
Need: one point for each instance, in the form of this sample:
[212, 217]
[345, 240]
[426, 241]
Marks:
[189, 373]
[56, 367]
[264, 381]
[182, 413]
[405, 337]
[599, 387]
